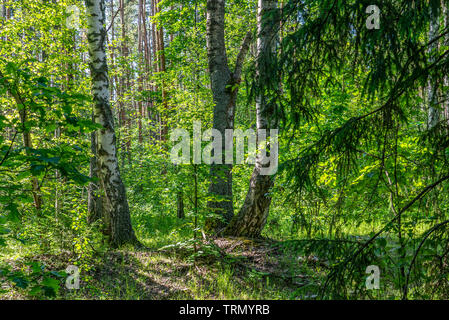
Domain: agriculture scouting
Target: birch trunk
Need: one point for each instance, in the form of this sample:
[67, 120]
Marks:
[116, 208]
[253, 215]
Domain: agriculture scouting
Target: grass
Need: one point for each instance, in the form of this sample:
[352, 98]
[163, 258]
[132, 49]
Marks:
[163, 275]
[175, 266]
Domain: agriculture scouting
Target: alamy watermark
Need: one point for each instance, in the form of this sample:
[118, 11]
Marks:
[373, 280]
[263, 147]
[373, 20]
[73, 280]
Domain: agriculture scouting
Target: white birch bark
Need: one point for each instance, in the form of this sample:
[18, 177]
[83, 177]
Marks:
[253, 215]
[116, 209]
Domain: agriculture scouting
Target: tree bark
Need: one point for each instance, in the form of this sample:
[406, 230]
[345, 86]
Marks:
[94, 199]
[124, 120]
[140, 27]
[180, 205]
[116, 204]
[160, 56]
[433, 113]
[28, 143]
[27, 140]
[224, 91]
[253, 215]
[446, 78]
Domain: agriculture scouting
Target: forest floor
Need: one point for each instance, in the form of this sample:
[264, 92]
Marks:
[222, 268]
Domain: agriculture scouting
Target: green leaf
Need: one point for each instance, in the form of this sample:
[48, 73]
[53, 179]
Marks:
[21, 282]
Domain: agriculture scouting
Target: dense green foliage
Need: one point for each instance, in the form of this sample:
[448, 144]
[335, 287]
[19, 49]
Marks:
[363, 176]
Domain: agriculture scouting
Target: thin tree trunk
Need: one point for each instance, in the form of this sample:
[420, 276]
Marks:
[446, 78]
[155, 68]
[139, 110]
[147, 50]
[27, 142]
[116, 204]
[433, 113]
[29, 145]
[94, 199]
[113, 80]
[160, 48]
[253, 215]
[180, 205]
[124, 85]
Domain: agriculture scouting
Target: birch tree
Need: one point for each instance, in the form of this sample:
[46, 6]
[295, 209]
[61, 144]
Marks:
[253, 215]
[116, 210]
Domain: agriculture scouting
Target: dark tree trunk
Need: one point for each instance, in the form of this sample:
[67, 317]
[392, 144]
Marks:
[180, 205]
[433, 111]
[224, 91]
[28, 144]
[94, 199]
[446, 43]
